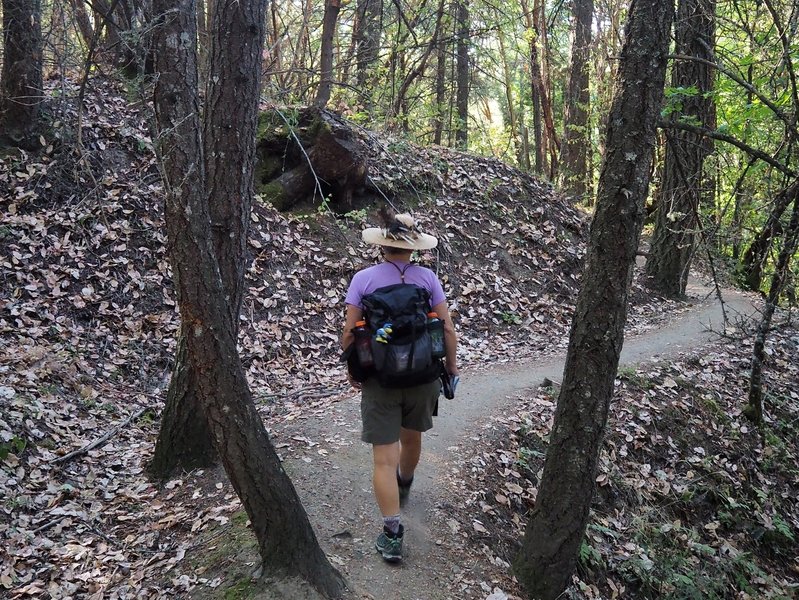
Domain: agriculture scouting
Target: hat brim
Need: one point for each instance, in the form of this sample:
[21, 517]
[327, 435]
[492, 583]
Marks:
[374, 235]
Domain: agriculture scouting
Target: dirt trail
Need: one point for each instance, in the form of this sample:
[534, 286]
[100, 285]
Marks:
[335, 484]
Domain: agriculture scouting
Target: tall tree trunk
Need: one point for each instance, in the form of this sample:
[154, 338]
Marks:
[462, 75]
[286, 540]
[511, 102]
[184, 440]
[755, 256]
[367, 47]
[539, 137]
[441, 90]
[83, 21]
[544, 91]
[332, 8]
[754, 409]
[22, 88]
[676, 217]
[576, 128]
[557, 524]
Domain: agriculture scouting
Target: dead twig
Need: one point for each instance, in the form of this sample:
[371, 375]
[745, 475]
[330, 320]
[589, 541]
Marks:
[100, 441]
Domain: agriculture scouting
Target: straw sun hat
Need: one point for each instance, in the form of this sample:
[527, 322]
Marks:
[400, 231]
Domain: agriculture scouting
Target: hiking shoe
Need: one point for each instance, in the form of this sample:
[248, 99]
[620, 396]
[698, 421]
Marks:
[404, 488]
[389, 545]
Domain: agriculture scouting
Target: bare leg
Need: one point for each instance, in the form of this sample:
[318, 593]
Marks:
[410, 451]
[384, 478]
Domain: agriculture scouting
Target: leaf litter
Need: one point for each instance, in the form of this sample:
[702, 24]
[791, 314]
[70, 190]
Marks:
[690, 502]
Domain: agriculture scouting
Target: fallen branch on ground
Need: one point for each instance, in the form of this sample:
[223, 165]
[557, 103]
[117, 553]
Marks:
[100, 441]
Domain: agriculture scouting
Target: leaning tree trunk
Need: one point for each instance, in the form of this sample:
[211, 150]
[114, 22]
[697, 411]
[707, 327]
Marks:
[755, 256]
[332, 8]
[576, 128]
[557, 524]
[677, 214]
[286, 540]
[754, 409]
[22, 91]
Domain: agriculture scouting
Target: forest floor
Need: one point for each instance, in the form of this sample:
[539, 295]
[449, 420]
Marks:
[692, 501]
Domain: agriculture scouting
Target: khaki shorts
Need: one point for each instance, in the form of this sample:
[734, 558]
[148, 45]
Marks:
[384, 410]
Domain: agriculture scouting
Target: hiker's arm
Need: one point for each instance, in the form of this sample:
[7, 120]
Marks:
[347, 337]
[354, 315]
[450, 338]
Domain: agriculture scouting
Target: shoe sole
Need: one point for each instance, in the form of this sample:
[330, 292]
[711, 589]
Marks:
[390, 558]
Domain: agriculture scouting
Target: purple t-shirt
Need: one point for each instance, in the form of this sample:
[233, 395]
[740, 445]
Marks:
[372, 278]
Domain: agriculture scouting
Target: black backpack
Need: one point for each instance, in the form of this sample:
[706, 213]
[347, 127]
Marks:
[396, 316]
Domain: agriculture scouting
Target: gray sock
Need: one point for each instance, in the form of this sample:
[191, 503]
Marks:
[392, 523]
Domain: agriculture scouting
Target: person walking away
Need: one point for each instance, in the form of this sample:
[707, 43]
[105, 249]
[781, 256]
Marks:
[394, 418]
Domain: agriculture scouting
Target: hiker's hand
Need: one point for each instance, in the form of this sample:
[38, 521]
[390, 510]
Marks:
[453, 371]
[353, 383]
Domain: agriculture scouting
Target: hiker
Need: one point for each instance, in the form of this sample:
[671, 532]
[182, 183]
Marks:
[393, 418]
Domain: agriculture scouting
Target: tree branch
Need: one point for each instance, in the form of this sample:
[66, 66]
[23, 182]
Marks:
[100, 441]
[723, 137]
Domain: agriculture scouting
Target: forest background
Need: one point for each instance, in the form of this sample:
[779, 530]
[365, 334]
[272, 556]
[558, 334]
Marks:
[530, 84]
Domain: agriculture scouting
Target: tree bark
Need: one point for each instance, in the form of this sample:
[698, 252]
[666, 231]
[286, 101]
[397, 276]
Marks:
[677, 214]
[755, 256]
[286, 540]
[440, 90]
[539, 139]
[332, 8]
[541, 80]
[576, 128]
[22, 87]
[557, 524]
[367, 46]
[462, 75]
[754, 409]
[82, 19]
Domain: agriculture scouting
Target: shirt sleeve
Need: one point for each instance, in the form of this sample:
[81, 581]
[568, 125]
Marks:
[355, 291]
[436, 290]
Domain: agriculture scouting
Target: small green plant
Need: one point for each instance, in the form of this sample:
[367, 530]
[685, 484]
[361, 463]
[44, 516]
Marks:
[631, 375]
[358, 215]
[15, 445]
[509, 317]
[243, 588]
[525, 457]
[590, 557]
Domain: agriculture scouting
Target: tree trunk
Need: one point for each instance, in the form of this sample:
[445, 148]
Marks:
[677, 214]
[82, 20]
[544, 91]
[286, 540]
[332, 8]
[755, 256]
[367, 46]
[575, 175]
[441, 90]
[535, 95]
[754, 409]
[513, 123]
[557, 524]
[462, 75]
[22, 91]
[184, 441]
